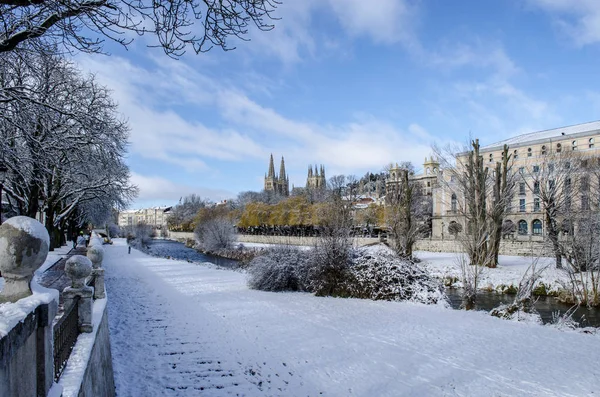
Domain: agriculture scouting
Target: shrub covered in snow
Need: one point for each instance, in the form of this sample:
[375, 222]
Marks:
[281, 268]
[330, 267]
[215, 234]
[384, 276]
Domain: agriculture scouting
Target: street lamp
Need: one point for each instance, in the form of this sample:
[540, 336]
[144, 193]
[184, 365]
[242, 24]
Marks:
[3, 172]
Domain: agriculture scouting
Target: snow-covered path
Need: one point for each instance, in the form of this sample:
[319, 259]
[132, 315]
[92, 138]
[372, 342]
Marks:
[184, 329]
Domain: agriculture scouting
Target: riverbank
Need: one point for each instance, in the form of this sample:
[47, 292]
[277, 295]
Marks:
[192, 324]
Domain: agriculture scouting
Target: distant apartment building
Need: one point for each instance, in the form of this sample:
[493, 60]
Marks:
[155, 216]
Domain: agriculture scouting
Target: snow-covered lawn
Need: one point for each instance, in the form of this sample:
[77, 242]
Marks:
[179, 328]
[509, 272]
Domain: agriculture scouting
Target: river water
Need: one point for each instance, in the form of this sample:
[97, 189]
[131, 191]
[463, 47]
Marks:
[177, 250]
[546, 306]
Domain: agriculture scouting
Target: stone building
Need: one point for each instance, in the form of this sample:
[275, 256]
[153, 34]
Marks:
[428, 177]
[155, 217]
[530, 154]
[316, 179]
[279, 184]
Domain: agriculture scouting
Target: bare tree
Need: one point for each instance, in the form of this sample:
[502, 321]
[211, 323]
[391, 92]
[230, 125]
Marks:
[407, 211]
[177, 25]
[62, 142]
[480, 196]
[552, 183]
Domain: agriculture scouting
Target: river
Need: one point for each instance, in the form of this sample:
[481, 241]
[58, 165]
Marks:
[546, 306]
[177, 250]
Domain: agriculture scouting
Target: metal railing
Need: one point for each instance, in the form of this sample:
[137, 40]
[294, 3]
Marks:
[66, 331]
[91, 281]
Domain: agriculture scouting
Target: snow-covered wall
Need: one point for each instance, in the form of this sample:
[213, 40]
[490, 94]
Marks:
[98, 379]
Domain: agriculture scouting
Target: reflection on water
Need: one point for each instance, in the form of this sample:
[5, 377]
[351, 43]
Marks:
[177, 250]
[545, 305]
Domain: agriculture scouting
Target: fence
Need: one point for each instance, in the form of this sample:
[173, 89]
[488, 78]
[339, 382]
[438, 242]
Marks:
[66, 331]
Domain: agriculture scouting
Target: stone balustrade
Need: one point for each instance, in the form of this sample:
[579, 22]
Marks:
[79, 267]
[27, 311]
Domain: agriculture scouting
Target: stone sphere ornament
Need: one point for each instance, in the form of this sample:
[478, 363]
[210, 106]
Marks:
[24, 244]
[95, 253]
[78, 267]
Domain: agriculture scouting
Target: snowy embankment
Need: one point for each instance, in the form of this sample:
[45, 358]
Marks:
[505, 277]
[179, 328]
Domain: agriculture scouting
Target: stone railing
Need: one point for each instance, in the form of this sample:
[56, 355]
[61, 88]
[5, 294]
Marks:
[33, 351]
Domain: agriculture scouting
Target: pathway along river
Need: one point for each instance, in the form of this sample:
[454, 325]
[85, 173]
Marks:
[546, 306]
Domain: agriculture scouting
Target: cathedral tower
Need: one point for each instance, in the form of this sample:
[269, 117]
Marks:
[277, 183]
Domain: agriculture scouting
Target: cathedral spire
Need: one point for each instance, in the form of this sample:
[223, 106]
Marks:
[282, 170]
[271, 168]
[310, 172]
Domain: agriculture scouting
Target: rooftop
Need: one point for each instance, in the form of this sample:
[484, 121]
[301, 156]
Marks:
[592, 126]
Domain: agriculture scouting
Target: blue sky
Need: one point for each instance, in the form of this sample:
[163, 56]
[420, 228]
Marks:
[353, 85]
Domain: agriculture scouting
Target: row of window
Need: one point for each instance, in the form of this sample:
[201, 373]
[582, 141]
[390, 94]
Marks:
[585, 204]
[544, 149]
[536, 227]
[522, 227]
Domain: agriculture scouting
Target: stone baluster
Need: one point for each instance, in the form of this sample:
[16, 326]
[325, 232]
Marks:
[95, 254]
[78, 267]
[24, 244]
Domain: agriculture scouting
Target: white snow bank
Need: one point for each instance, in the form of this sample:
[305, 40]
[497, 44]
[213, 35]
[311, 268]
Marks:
[509, 272]
[177, 327]
[13, 313]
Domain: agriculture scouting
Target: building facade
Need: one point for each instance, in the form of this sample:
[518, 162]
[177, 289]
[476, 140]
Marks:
[533, 155]
[155, 217]
[279, 184]
[428, 178]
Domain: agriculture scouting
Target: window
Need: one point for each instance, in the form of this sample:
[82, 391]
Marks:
[543, 150]
[522, 227]
[515, 154]
[551, 185]
[428, 184]
[453, 178]
[585, 184]
[585, 203]
[521, 170]
[536, 227]
[574, 145]
[454, 203]
[536, 204]
[536, 168]
[491, 157]
[529, 154]
[536, 188]
[509, 206]
[521, 205]
[522, 188]
[558, 148]
[551, 167]
[591, 143]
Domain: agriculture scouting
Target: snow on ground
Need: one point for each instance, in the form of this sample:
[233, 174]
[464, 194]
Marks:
[179, 328]
[509, 272]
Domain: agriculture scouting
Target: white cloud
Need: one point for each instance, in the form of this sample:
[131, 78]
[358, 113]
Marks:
[477, 54]
[579, 19]
[295, 36]
[145, 95]
[385, 21]
[163, 191]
